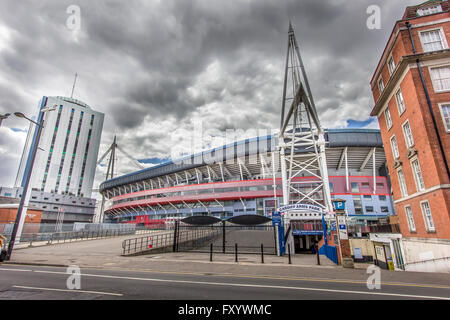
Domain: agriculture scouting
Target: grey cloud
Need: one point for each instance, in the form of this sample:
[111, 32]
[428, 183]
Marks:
[136, 61]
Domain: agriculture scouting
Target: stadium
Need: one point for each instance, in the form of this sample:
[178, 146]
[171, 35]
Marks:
[244, 178]
[295, 173]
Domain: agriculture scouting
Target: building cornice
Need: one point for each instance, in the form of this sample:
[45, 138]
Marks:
[394, 34]
[417, 194]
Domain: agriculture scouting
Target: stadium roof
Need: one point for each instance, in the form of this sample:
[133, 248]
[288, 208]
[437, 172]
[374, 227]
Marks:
[335, 138]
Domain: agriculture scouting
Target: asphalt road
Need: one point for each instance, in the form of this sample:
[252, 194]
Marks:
[50, 283]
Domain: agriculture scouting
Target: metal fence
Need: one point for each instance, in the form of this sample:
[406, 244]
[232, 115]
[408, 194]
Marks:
[52, 233]
[219, 238]
[142, 244]
[225, 236]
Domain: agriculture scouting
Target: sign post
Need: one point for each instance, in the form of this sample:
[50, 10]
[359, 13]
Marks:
[341, 226]
[277, 222]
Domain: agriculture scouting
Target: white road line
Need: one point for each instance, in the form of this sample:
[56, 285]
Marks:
[258, 286]
[19, 270]
[72, 291]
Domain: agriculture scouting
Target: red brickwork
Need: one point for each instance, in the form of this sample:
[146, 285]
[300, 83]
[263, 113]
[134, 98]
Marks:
[426, 140]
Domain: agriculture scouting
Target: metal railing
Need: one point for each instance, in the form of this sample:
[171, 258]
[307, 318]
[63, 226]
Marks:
[195, 237]
[73, 236]
[141, 244]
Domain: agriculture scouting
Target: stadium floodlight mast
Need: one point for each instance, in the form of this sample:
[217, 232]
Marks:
[24, 199]
[302, 141]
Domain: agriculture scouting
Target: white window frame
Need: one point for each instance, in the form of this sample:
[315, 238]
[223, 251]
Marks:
[433, 81]
[409, 144]
[400, 110]
[425, 217]
[410, 219]
[394, 147]
[446, 127]
[441, 35]
[423, 11]
[420, 182]
[403, 187]
[388, 122]
[381, 87]
[391, 68]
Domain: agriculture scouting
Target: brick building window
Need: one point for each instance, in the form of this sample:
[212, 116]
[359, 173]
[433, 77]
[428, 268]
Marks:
[441, 78]
[445, 113]
[387, 115]
[391, 65]
[418, 175]
[410, 219]
[426, 210]
[408, 134]
[432, 40]
[380, 85]
[402, 183]
[394, 147]
[400, 102]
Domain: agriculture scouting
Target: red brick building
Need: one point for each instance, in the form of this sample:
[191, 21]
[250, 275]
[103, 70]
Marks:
[411, 89]
[8, 211]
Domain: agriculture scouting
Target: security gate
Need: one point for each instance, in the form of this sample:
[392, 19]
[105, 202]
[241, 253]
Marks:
[225, 237]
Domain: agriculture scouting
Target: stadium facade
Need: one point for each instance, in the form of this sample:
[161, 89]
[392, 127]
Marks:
[245, 178]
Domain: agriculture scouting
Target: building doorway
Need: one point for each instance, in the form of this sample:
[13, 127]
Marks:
[304, 244]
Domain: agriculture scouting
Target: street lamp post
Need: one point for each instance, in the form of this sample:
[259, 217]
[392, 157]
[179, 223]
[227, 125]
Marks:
[18, 224]
[3, 117]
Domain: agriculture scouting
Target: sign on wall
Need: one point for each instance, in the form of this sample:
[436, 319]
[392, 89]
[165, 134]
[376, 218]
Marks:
[301, 206]
[343, 235]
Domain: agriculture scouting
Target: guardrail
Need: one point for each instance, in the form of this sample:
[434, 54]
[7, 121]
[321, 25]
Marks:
[136, 245]
[167, 240]
[72, 236]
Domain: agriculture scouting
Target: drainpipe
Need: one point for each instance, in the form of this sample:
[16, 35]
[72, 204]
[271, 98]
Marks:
[422, 79]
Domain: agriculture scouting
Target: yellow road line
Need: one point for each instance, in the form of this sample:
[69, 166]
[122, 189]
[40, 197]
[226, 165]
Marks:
[71, 291]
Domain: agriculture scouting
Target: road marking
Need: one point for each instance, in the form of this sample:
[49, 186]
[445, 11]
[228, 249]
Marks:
[258, 286]
[19, 270]
[401, 284]
[72, 291]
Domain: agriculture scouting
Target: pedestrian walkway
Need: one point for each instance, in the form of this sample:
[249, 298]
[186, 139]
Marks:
[28, 244]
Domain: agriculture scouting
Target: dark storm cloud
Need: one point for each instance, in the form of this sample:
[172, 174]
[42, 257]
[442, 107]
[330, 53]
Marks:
[153, 66]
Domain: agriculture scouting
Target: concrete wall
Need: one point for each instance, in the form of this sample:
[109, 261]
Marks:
[427, 255]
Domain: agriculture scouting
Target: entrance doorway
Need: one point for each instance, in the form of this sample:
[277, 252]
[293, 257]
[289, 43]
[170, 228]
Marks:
[305, 243]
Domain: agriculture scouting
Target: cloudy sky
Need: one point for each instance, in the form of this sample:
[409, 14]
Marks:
[158, 67]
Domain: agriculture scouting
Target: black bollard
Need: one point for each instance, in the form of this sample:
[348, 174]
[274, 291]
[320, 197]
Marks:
[289, 253]
[262, 253]
[211, 252]
[317, 253]
[235, 252]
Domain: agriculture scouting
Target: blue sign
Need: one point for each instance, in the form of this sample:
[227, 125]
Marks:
[306, 232]
[324, 226]
[276, 219]
[339, 205]
[333, 226]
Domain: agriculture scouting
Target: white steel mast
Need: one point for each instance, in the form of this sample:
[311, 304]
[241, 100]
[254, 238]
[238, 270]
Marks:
[302, 141]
